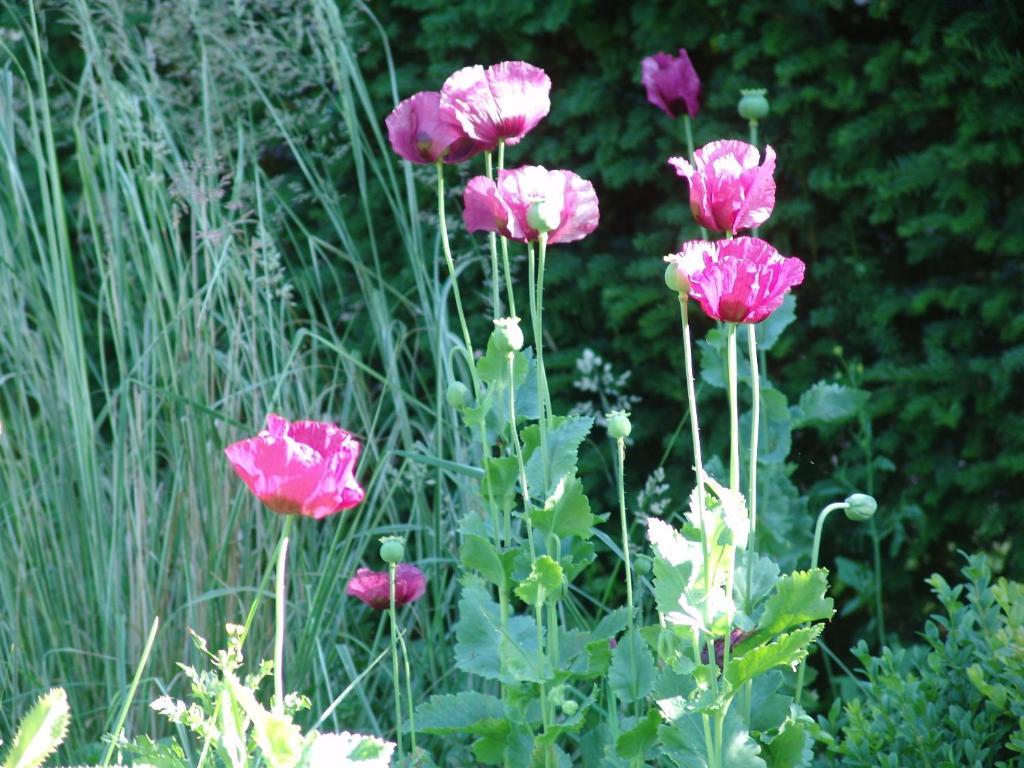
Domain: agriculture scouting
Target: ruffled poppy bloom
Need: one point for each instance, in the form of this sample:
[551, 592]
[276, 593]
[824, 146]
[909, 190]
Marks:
[374, 587]
[737, 281]
[501, 103]
[300, 467]
[672, 83]
[729, 191]
[528, 197]
[421, 132]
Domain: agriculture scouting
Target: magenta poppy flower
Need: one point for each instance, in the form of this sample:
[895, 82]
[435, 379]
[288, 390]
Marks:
[374, 587]
[300, 467]
[729, 191]
[421, 132]
[503, 102]
[672, 83]
[738, 281]
[561, 200]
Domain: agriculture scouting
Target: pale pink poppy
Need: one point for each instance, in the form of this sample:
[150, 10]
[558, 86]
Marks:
[421, 132]
[568, 204]
[501, 103]
[374, 587]
[729, 191]
[738, 281]
[672, 83]
[300, 467]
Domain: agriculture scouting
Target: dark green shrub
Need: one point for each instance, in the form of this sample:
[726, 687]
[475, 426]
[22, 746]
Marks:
[897, 128]
[958, 700]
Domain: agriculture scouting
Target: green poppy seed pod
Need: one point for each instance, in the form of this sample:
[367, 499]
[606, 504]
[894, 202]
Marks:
[570, 707]
[642, 565]
[507, 335]
[619, 426]
[753, 104]
[458, 394]
[861, 507]
[392, 549]
[544, 215]
[676, 279]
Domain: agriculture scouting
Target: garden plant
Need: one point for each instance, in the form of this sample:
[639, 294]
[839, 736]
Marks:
[435, 569]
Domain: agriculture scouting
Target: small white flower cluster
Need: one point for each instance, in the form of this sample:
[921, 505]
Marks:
[605, 388]
[653, 499]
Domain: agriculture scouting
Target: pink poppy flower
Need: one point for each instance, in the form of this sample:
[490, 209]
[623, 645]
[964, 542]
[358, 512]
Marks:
[503, 102]
[421, 132]
[672, 83]
[729, 191]
[374, 587]
[564, 201]
[738, 281]
[300, 467]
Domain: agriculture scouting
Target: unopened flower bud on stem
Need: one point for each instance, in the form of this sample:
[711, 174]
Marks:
[861, 507]
[458, 394]
[619, 425]
[676, 279]
[507, 335]
[753, 104]
[392, 549]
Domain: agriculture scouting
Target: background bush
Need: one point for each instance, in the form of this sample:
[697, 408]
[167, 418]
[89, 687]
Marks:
[897, 127]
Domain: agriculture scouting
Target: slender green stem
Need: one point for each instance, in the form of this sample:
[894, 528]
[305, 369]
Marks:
[408, 693]
[876, 540]
[392, 568]
[493, 242]
[279, 606]
[447, 249]
[524, 489]
[734, 417]
[755, 425]
[251, 616]
[538, 344]
[698, 468]
[753, 132]
[734, 474]
[815, 548]
[542, 373]
[517, 447]
[123, 714]
[620, 478]
[509, 295]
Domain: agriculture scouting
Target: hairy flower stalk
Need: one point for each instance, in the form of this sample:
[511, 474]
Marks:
[392, 567]
[279, 606]
[492, 241]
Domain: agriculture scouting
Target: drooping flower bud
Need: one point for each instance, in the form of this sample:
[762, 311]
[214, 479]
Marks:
[544, 215]
[619, 425]
[458, 394]
[392, 549]
[753, 104]
[861, 507]
[507, 335]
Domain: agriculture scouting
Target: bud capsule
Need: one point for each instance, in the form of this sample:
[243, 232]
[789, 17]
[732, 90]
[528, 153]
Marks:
[676, 279]
[619, 426]
[507, 335]
[544, 215]
[458, 394]
[861, 507]
[392, 549]
[753, 104]
[570, 707]
[642, 565]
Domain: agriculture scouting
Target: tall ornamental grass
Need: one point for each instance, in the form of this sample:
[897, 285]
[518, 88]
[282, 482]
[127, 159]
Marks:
[147, 319]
